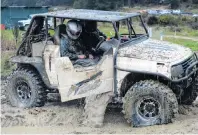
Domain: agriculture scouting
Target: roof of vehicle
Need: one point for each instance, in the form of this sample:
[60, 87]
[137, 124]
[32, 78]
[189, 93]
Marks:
[95, 15]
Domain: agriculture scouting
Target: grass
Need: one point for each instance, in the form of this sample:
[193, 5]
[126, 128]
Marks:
[8, 34]
[184, 31]
[8, 47]
[6, 66]
[185, 42]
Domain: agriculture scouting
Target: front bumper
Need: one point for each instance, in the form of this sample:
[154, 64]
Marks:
[190, 74]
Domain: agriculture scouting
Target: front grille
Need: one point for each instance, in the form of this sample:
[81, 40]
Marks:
[178, 71]
[188, 62]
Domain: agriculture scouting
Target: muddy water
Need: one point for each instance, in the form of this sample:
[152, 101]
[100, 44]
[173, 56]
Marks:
[67, 118]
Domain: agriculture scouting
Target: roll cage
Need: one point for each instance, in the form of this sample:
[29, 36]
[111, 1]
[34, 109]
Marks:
[103, 16]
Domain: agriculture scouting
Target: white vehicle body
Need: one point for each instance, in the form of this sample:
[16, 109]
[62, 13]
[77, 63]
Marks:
[195, 15]
[176, 11]
[153, 56]
[164, 12]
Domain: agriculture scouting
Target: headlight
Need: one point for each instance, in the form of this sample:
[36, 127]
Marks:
[177, 71]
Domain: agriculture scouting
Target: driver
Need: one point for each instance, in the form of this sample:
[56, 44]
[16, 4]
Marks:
[71, 45]
[91, 35]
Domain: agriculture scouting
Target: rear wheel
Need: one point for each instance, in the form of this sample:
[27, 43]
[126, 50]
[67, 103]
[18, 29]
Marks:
[149, 103]
[25, 89]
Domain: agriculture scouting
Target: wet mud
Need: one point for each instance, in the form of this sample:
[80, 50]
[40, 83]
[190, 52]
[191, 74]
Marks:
[56, 117]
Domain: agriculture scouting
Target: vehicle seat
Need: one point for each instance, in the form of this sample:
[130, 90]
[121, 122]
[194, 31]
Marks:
[60, 29]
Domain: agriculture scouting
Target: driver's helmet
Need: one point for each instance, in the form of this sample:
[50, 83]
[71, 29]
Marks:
[73, 29]
[90, 26]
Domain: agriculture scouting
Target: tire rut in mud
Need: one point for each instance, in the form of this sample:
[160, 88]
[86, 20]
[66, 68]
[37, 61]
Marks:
[52, 114]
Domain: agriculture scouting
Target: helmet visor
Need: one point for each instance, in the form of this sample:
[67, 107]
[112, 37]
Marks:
[77, 33]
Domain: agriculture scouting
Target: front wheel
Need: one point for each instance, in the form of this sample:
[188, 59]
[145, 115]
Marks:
[149, 103]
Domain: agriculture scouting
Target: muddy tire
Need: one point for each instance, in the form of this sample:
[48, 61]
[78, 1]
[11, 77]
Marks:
[190, 94]
[149, 103]
[25, 89]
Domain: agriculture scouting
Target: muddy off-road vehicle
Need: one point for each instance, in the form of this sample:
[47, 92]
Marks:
[149, 78]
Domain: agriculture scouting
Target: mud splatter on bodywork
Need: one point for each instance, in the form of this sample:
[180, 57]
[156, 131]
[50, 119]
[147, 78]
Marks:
[87, 85]
[154, 50]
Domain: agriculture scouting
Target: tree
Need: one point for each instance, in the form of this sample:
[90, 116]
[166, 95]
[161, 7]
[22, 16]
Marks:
[129, 3]
[79, 4]
[174, 4]
[98, 4]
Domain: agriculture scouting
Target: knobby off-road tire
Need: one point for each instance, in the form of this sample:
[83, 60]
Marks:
[25, 89]
[149, 102]
[190, 94]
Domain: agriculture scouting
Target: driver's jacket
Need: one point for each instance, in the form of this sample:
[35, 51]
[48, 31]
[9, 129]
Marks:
[90, 40]
[71, 48]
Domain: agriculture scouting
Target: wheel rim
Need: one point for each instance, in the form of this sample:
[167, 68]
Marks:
[23, 90]
[148, 108]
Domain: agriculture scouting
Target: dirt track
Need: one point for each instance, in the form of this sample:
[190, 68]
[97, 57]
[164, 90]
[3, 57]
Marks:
[66, 118]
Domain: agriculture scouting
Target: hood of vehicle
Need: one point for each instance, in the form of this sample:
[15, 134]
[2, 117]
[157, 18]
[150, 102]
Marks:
[155, 50]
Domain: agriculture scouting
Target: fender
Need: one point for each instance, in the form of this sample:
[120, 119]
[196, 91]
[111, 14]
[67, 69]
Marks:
[38, 64]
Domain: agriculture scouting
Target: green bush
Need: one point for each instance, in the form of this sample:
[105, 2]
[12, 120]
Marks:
[169, 20]
[98, 4]
[174, 4]
[152, 20]
[194, 25]
[173, 20]
[173, 29]
[79, 4]
[187, 19]
[196, 19]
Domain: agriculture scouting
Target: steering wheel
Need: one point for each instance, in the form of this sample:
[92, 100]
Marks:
[102, 39]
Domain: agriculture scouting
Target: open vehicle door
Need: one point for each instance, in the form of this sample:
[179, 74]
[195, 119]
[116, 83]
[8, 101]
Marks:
[84, 81]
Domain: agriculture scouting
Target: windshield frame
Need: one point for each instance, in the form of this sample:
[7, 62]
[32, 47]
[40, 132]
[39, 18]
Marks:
[130, 30]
